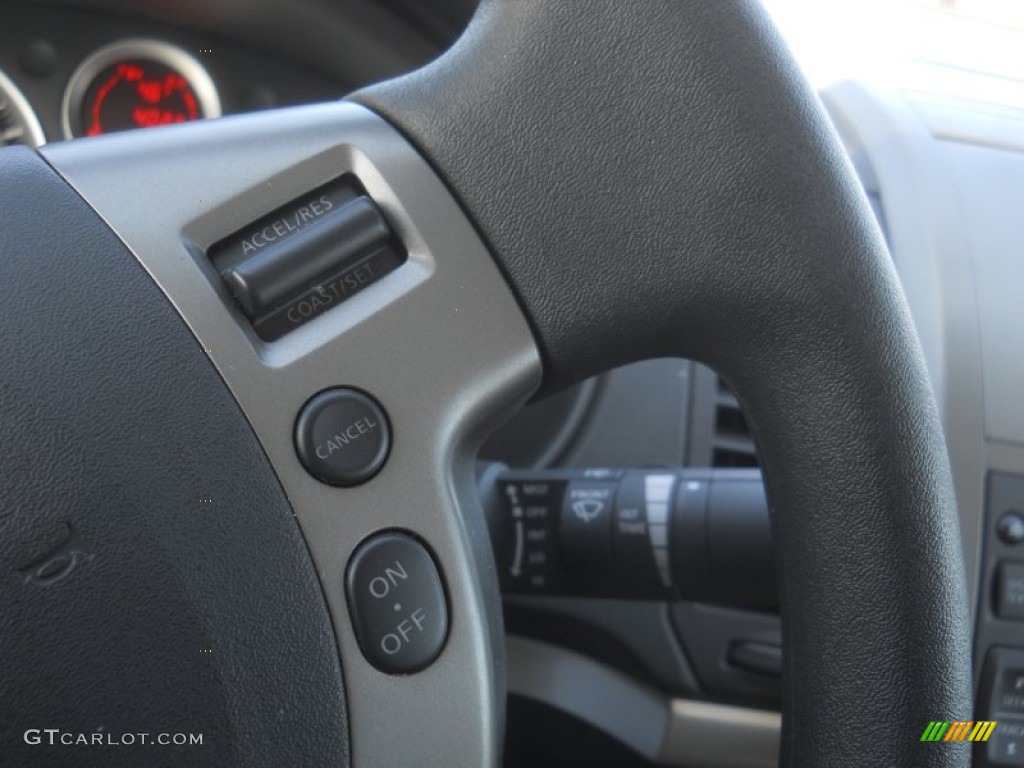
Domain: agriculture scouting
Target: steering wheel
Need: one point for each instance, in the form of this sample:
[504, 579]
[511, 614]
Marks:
[575, 185]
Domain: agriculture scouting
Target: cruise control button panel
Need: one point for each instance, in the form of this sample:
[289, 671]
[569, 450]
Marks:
[397, 602]
[342, 437]
[307, 257]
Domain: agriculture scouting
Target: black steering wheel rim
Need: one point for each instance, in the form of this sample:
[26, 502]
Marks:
[726, 225]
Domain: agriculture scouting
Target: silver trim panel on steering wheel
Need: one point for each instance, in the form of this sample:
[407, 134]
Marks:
[440, 343]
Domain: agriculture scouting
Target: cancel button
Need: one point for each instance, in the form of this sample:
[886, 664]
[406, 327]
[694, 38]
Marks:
[342, 437]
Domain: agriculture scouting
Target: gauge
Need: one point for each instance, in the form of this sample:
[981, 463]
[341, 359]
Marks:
[137, 84]
[18, 123]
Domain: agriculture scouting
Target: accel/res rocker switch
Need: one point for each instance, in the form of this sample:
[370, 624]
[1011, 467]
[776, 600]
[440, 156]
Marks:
[307, 257]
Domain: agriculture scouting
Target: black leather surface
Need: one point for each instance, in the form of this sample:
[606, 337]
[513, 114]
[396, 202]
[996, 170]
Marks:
[656, 179]
[153, 577]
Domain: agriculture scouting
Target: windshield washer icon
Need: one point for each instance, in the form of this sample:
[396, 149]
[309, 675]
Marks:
[588, 510]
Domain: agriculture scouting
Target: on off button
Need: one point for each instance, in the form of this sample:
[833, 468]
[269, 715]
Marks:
[397, 603]
[342, 437]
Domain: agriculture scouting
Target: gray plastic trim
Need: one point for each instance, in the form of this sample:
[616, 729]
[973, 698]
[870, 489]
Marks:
[618, 433]
[440, 342]
[668, 731]
[719, 736]
[575, 420]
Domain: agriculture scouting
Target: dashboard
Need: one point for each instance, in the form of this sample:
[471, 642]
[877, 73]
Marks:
[82, 69]
[684, 679]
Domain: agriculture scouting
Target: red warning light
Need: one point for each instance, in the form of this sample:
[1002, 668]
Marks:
[138, 94]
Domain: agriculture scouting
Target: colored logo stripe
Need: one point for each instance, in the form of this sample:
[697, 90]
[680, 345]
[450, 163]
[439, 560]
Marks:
[960, 730]
[935, 730]
[982, 730]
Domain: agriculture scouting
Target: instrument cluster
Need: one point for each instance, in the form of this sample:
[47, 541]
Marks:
[68, 74]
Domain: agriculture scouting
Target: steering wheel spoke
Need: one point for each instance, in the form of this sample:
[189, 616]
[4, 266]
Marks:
[439, 343]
